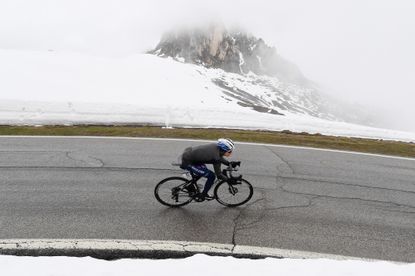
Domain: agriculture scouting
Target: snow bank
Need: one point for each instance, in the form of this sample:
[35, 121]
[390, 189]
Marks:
[67, 88]
[198, 264]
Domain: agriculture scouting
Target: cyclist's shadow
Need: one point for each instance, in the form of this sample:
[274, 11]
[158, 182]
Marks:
[188, 215]
[168, 212]
[179, 215]
[182, 220]
[197, 224]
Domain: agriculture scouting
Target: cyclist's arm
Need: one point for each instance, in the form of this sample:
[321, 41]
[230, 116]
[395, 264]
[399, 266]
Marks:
[224, 161]
[218, 172]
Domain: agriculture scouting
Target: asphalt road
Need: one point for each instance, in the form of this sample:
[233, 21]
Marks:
[311, 200]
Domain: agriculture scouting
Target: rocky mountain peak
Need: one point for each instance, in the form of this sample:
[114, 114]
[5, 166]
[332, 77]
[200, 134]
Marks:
[214, 46]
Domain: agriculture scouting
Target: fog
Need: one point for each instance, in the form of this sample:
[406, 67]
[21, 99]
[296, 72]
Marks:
[357, 50]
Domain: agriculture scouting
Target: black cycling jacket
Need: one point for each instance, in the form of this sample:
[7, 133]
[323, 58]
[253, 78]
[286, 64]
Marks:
[205, 154]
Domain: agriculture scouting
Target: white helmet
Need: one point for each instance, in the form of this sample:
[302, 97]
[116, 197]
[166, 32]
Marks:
[226, 144]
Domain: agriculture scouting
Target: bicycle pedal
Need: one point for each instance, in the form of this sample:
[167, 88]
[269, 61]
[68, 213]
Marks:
[199, 199]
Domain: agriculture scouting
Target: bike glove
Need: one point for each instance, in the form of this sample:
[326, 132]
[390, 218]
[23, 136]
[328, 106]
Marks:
[234, 180]
[234, 164]
[223, 176]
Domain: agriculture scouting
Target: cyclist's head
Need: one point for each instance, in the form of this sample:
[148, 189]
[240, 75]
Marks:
[226, 145]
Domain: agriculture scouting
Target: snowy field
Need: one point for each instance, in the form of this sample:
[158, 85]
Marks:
[198, 265]
[40, 88]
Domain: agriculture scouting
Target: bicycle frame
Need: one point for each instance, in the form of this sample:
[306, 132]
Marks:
[170, 195]
[227, 171]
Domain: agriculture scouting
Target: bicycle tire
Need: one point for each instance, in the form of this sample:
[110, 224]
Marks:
[163, 196]
[223, 186]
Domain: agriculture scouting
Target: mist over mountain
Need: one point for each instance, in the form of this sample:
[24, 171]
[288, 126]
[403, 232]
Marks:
[233, 51]
[267, 83]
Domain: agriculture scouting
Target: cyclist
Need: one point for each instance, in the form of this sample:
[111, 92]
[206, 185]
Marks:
[194, 159]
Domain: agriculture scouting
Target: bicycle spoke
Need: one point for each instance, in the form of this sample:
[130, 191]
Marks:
[233, 195]
[170, 192]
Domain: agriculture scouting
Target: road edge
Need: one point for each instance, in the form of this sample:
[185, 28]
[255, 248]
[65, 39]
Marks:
[152, 249]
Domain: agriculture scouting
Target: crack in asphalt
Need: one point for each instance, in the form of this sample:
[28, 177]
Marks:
[264, 209]
[236, 222]
[320, 180]
[313, 197]
[294, 175]
[307, 205]
[348, 198]
[281, 187]
[98, 159]
[258, 219]
[309, 198]
[280, 176]
[282, 159]
[68, 155]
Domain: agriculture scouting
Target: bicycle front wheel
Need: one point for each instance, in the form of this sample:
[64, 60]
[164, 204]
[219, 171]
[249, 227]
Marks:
[171, 192]
[233, 195]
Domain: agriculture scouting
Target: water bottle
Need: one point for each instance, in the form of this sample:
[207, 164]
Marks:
[187, 175]
[200, 186]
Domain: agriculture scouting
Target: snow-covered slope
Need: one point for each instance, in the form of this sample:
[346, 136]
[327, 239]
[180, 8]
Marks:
[233, 50]
[69, 88]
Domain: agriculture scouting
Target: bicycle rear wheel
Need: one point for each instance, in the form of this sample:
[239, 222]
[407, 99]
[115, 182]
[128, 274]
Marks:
[233, 195]
[171, 192]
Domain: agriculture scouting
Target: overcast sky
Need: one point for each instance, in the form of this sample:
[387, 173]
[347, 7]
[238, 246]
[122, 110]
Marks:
[361, 50]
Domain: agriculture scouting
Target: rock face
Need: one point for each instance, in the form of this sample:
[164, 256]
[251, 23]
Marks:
[232, 51]
[278, 87]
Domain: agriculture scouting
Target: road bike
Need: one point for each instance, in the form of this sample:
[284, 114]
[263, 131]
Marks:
[178, 191]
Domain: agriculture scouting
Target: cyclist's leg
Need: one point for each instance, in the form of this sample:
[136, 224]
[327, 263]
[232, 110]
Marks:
[209, 182]
[196, 172]
[202, 170]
